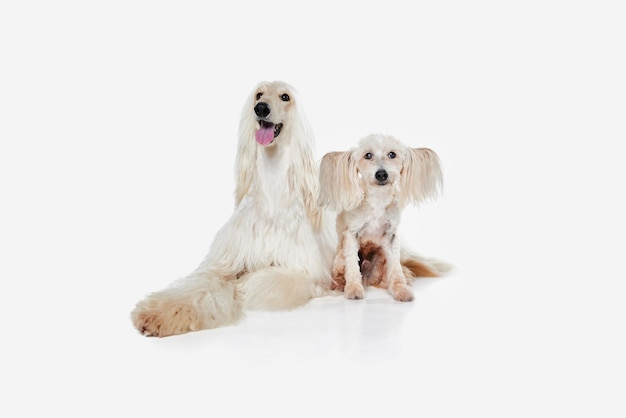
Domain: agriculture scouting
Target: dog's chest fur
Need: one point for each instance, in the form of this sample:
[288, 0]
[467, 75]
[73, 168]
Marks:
[376, 225]
[375, 220]
[274, 191]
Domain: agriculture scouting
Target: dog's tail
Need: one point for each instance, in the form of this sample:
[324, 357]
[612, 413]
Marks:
[279, 289]
[200, 301]
[415, 265]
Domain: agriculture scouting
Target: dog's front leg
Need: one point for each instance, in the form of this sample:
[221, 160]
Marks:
[397, 283]
[354, 283]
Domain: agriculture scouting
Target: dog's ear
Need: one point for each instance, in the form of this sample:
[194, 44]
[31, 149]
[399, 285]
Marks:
[421, 177]
[246, 152]
[339, 181]
[302, 175]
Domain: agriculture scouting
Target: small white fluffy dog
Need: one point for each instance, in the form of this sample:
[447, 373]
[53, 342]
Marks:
[370, 185]
[276, 250]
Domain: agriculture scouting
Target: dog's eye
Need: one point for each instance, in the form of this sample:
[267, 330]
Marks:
[391, 155]
[285, 97]
[368, 156]
[258, 95]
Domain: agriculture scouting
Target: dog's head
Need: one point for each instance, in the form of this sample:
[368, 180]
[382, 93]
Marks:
[379, 162]
[270, 107]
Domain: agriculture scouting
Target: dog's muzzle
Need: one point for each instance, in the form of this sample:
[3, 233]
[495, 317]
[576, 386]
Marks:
[267, 130]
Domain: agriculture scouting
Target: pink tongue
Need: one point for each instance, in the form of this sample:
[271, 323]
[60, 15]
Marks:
[264, 135]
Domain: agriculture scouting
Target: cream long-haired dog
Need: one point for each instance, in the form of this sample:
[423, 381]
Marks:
[370, 185]
[276, 250]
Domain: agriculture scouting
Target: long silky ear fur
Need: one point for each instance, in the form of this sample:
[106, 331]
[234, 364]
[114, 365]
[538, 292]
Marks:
[340, 187]
[303, 173]
[421, 178]
[245, 162]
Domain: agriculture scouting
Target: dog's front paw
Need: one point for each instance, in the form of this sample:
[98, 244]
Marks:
[401, 292]
[354, 291]
[147, 322]
[154, 318]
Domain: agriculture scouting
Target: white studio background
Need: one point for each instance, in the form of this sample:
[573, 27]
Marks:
[118, 125]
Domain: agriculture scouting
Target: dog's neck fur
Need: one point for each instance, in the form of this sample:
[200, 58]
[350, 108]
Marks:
[379, 196]
[273, 166]
[272, 159]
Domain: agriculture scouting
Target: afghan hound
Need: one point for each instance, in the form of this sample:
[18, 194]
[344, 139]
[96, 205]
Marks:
[276, 250]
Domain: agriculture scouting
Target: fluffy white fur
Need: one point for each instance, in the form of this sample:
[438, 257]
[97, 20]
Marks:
[276, 250]
[370, 185]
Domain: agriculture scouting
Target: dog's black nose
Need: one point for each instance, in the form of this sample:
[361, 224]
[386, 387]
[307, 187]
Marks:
[381, 175]
[262, 109]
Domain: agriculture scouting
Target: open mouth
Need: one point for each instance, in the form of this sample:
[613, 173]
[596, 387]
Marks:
[267, 132]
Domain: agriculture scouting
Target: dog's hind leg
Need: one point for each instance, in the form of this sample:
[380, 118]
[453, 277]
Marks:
[206, 299]
[277, 288]
[339, 271]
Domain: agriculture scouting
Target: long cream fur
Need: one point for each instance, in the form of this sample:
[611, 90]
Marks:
[370, 185]
[276, 250]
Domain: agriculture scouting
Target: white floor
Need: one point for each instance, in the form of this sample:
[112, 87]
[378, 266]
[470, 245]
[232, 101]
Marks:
[485, 340]
[118, 137]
